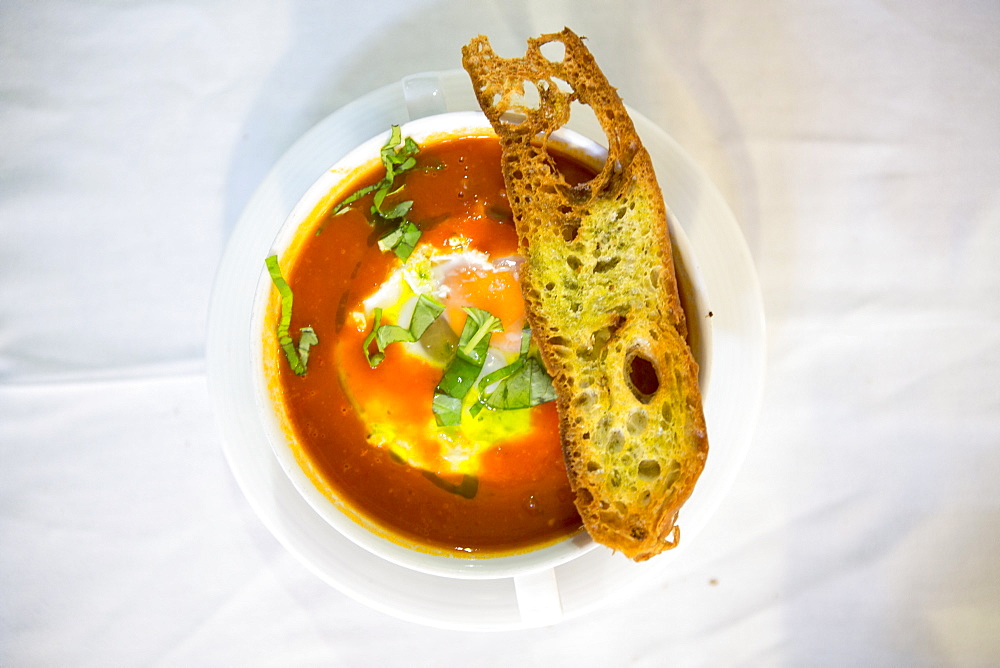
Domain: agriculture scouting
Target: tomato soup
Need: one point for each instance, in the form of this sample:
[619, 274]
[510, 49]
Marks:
[367, 417]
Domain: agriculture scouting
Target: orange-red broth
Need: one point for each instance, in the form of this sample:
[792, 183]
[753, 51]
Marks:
[523, 499]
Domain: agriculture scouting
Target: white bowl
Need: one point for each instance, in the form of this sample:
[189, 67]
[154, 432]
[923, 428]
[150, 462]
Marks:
[578, 586]
[341, 515]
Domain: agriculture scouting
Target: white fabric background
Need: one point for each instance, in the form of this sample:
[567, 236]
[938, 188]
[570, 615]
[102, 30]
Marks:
[858, 143]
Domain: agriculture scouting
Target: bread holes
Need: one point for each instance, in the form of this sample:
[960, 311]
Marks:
[600, 339]
[529, 98]
[603, 425]
[584, 400]
[643, 379]
[570, 229]
[512, 118]
[583, 117]
[606, 265]
[673, 472]
[648, 470]
[598, 342]
[561, 85]
[616, 440]
[636, 422]
[554, 52]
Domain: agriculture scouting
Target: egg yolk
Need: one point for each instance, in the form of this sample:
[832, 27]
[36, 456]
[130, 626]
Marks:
[495, 290]
[395, 399]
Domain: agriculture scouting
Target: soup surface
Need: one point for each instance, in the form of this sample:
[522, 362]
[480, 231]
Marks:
[493, 483]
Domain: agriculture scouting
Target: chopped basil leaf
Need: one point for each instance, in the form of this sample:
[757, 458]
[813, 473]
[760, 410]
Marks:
[521, 384]
[354, 197]
[396, 160]
[466, 489]
[528, 386]
[469, 343]
[297, 356]
[425, 311]
[447, 409]
[401, 240]
[379, 198]
[461, 373]
[387, 334]
[374, 359]
[397, 211]
[307, 339]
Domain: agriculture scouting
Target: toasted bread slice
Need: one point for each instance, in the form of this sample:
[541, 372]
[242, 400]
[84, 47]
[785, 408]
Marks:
[601, 297]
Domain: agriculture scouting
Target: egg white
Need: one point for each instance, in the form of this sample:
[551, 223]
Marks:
[428, 271]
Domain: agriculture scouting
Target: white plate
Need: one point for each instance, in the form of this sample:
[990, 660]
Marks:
[731, 404]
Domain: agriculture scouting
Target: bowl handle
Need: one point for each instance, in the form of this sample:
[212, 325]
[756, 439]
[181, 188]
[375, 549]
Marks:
[424, 95]
[538, 597]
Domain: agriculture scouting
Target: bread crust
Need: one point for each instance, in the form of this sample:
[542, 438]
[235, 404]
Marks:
[601, 296]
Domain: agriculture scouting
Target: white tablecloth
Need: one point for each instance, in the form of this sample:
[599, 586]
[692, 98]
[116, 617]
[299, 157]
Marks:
[858, 144]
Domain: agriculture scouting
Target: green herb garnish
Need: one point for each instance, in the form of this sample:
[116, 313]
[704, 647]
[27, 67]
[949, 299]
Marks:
[461, 373]
[297, 356]
[425, 311]
[521, 384]
[307, 339]
[374, 359]
[466, 489]
[398, 156]
[396, 159]
[401, 240]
